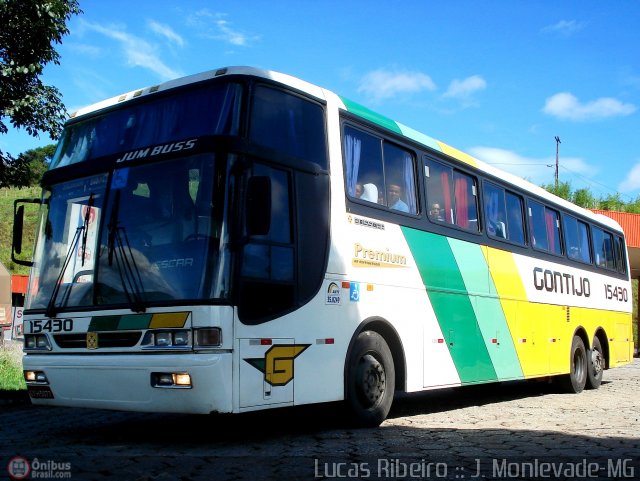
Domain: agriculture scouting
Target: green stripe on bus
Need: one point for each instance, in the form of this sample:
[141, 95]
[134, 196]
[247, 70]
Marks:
[488, 309]
[104, 323]
[452, 304]
[370, 115]
[420, 137]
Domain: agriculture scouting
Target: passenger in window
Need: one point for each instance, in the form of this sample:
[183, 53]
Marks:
[496, 227]
[394, 195]
[359, 190]
[436, 212]
[369, 193]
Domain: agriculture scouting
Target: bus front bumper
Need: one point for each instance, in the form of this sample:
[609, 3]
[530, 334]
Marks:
[130, 382]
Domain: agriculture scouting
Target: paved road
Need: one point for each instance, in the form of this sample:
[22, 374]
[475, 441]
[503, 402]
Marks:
[508, 431]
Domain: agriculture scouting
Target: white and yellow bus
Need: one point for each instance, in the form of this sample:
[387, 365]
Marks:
[241, 240]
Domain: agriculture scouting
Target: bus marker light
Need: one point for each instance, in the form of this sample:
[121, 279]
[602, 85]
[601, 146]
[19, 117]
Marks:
[209, 337]
[36, 377]
[328, 340]
[175, 380]
[266, 342]
[182, 379]
[369, 287]
[494, 341]
[346, 285]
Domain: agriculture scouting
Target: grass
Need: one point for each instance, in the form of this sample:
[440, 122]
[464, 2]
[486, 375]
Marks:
[11, 378]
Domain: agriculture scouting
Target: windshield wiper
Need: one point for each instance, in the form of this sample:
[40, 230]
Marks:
[51, 306]
[119, 247]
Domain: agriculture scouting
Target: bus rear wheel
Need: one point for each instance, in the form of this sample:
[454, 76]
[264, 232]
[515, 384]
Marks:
[575, 381]
[370, 380]
[596, 365]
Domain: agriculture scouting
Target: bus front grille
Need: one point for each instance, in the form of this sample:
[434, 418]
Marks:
[104, 339]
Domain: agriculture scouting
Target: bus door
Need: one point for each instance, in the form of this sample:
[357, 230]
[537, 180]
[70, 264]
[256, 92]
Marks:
[266, 371]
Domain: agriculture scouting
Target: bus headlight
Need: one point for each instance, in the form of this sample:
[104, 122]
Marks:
[179, 338]
[36, 342]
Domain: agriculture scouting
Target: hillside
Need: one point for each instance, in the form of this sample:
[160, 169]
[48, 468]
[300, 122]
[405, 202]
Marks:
[7, 197]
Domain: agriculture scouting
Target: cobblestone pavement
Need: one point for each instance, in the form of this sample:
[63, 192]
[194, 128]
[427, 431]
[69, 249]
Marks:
[508, 431]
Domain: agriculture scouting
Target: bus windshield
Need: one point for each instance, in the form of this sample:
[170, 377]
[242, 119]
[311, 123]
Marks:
[160, 236]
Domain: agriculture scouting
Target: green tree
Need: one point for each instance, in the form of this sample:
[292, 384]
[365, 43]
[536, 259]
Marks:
[562, 190]
[584, 198]
[612, 202]
[29, 30]
[36, 162]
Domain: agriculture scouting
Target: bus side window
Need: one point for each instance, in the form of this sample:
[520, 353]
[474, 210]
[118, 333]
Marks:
[545, 227]
[363, 162]
[576, 239]
[621, 258]
[399, 171]
[515, 224]
[452, 196]
[603, 248]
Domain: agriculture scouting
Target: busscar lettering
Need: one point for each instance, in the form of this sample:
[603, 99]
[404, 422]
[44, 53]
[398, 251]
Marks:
[561, 282]
[158, 149]
[171, 263]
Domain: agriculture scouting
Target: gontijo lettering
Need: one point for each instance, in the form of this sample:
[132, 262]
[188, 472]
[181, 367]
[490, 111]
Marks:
[560, 283]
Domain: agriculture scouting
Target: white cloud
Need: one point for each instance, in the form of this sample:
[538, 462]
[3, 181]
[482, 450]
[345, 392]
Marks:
[566, 106]
[167, 32]
[214, 25]
[536, 170]
[137, 51]
[463, 89]
[383, 84]
[564, 27]
[632, 182]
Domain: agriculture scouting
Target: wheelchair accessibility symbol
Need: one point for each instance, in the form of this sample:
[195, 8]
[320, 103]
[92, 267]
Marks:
[354, 292]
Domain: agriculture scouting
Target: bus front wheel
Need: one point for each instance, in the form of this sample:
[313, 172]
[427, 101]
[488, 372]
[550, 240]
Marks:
[596, 365]
[370, 380]
[575, 381]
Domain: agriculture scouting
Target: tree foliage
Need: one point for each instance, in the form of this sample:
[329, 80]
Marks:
[30, 30]
[584, 198]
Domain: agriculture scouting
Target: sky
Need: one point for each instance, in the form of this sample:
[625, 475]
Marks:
[497, 79]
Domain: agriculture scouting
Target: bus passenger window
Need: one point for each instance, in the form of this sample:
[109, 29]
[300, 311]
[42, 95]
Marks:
[545, 228]
[515, 224]
[400, 179]
[363, 162]
[621, 255]
[603, 248]
[577, 239]
[494, 208]
[438, 182]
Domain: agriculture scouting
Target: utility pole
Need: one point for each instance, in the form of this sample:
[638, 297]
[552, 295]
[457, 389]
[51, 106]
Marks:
[557, 159]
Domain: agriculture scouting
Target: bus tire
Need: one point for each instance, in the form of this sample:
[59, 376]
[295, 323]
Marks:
[575, 381]
[370, 380]
[596, 365]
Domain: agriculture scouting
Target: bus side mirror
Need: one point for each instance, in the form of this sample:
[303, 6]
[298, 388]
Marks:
[18, 230]
[258, 207]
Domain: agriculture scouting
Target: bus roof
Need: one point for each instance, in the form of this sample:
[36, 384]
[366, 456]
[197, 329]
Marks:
[357, 110]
